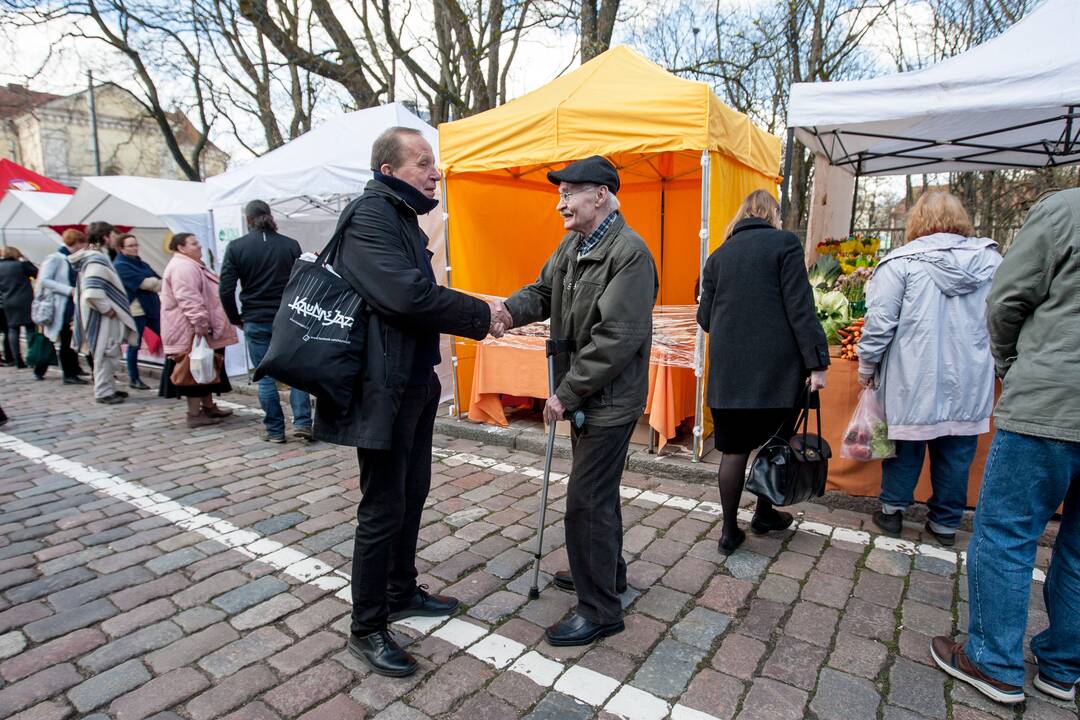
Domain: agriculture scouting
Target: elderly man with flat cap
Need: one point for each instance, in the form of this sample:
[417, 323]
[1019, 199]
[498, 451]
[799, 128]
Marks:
[598, 288]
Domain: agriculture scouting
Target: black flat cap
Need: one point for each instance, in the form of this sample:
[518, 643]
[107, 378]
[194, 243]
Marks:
[596, 170]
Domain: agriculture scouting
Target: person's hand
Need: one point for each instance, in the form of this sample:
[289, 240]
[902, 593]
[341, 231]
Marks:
[111, 313]
[553, 410]
[816, 380]
[867, 381]
[501, 321]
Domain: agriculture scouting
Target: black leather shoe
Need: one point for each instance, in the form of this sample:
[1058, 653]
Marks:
[892, 524]
[730, 543]
[565, 581]
[75, 380]
[775, 521]
[380, 652]
[120, 394]
[110, 400]
[138, 385]
[946, 539]
[424, 604]
[576, 630]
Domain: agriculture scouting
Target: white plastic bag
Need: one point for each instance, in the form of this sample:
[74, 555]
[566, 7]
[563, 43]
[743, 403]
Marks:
[202, 361]
[867, 435]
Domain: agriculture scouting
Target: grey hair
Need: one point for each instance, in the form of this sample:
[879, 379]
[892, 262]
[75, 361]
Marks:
[612, 203]
[386, 149]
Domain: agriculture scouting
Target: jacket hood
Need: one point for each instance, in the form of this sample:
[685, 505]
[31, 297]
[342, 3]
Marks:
[958, 265]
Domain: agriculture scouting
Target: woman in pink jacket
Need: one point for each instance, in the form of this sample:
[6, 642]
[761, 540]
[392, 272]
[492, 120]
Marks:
[190, 308]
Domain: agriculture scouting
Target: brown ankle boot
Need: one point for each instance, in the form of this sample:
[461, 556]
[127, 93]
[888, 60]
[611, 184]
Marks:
[201, 419]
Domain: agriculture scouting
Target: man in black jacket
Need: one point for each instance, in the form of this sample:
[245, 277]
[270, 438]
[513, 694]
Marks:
[390, 419]
[263, 260]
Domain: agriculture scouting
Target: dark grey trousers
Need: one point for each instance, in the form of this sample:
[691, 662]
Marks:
[593, 520]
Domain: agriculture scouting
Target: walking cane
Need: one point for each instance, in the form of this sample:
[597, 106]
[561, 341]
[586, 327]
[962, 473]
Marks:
[553, 348]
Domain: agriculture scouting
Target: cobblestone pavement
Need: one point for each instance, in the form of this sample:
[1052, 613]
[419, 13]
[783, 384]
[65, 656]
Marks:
[151, 571]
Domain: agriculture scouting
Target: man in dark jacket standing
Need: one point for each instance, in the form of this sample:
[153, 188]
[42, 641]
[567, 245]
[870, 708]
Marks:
[262, 261]
[390, 419]
[598, 288]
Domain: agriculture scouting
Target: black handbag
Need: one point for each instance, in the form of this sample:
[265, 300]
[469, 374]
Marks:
[318, 336]
[791, 471]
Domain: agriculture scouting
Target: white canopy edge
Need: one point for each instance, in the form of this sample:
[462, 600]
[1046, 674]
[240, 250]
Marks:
[23, 210]
[331, 159]
[155, 207]
[1013, 101]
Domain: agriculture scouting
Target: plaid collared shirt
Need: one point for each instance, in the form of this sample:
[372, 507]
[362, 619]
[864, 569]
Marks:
[587, 244]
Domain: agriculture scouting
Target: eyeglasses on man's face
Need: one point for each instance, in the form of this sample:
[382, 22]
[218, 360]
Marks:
[565, 196]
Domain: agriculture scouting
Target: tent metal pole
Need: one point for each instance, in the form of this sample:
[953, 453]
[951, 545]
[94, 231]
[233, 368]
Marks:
[855, 198]
[456, 409]
[785, 189]
[699, 340]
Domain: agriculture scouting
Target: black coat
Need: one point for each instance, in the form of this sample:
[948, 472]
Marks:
[262, 261]
[758, 308]
[383, 257]
[16, 292]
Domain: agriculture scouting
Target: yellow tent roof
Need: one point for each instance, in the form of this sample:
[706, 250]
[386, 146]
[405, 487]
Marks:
[618, 102]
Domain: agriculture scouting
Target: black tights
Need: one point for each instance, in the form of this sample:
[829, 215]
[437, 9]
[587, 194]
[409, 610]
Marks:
[730, 478]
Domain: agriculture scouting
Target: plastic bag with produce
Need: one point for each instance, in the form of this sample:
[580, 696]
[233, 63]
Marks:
[867, 435]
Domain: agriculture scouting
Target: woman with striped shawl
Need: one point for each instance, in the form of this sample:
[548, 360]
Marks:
[102, 318]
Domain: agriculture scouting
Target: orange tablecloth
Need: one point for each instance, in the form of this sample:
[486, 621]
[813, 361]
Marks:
[522, 371]
[855, 477]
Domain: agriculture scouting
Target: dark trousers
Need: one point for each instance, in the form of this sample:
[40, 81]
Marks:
[69, 359]
[14, 338]
[394, 484]
[593, 520]
[132, 358]
[5, 348]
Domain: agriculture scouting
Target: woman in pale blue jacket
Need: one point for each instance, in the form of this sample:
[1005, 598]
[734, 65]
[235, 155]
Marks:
[55, 280]
[925, 348]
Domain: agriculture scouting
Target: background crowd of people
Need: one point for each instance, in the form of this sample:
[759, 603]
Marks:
[95, 296]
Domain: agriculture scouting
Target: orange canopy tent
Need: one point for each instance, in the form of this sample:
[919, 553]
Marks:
[685, 160]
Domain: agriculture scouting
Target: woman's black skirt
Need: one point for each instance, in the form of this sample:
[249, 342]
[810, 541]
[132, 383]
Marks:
[742, 430]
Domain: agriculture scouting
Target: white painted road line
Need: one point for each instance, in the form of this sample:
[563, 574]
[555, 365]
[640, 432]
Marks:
[288, 560]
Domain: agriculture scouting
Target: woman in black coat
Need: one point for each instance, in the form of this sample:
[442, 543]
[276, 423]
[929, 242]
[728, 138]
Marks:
[765, 346]
[18, 294]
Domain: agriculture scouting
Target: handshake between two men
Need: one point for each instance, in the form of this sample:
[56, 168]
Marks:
[501, 322]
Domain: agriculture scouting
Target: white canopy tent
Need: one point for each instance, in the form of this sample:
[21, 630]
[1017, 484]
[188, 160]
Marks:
[21, 216]
[154, 208]
[1011, 102]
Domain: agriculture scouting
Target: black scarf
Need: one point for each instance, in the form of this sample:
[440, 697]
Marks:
[415, 199]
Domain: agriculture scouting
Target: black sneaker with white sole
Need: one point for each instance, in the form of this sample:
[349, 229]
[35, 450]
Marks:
[1054, 688]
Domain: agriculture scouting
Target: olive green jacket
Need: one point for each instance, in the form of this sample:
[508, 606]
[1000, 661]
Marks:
[603, 304]
[1033, 314]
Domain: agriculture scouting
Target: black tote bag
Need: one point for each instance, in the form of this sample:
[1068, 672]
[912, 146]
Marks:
[791, 471]
[317, 343]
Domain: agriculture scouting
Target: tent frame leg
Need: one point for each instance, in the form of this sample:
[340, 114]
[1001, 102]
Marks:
[456, 409]
[785, 189]
[699, 341]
